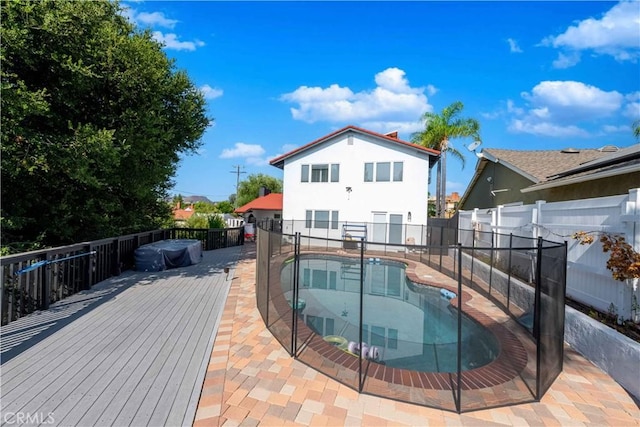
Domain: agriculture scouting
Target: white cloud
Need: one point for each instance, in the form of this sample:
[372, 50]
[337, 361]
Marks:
[392, 104]
[491, 115]
[574, 99]
[170, 41]
[155, 19]
[559, 108]
[615, 129]
[546, 129]
[387, 126]
[211, 92]
[511, 108]
[633, 96]
[566, 61]
[632, 110]
[240, 149]
[431, 90]
[615, 34]
[513, 46]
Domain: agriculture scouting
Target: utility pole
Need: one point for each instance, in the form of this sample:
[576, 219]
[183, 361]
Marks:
[237, 171]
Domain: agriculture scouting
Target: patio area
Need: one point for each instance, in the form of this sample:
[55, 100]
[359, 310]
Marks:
[252, 380]
[188, 346]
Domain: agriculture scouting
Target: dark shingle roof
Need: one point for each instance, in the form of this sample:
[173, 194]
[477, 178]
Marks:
[542, 164]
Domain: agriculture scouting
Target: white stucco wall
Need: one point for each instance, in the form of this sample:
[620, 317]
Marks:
[399, 198]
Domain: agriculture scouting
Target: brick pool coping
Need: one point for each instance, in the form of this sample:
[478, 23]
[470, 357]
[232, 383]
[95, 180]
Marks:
[510, 362]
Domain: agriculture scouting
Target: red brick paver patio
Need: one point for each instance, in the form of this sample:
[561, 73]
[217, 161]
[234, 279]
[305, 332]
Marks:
[251, 380]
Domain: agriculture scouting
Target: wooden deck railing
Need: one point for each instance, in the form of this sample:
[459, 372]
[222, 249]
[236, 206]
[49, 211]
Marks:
[33, 280]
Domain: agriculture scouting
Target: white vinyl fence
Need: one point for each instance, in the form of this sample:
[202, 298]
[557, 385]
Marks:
[588, 280]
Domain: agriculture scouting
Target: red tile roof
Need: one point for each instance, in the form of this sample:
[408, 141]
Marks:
[279, 161]
[270, 202]
[183, 214]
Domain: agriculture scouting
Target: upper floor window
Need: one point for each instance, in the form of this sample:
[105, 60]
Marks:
[397, 171]
[383, 171]
[368, 172]
[320, 173]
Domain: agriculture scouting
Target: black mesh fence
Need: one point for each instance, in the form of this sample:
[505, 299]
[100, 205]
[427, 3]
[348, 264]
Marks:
[551, 288]
[459, 326]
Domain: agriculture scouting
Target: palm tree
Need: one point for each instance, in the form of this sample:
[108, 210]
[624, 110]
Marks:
[439, 129]
[636, 129]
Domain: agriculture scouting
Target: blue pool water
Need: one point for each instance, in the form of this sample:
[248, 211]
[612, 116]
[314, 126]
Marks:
[413, 326]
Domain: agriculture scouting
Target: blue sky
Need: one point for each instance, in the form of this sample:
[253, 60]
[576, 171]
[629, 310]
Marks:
[277, 75]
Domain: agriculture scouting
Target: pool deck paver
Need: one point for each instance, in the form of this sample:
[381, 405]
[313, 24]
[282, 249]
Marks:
[251, 380]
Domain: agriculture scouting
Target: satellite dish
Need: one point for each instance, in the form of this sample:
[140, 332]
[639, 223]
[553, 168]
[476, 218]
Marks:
[474, 145]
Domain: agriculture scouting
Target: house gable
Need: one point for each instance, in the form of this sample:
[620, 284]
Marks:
[354, 175]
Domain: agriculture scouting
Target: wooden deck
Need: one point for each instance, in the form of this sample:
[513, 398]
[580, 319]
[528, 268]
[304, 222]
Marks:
[133, 350]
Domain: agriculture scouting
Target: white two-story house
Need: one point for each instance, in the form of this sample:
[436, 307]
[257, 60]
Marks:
[357, 182]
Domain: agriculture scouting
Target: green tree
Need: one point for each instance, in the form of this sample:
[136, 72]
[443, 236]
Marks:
[177, 200]
[204, 207]
[636, 129]
[94, 119]
[249, 189]
[197, 221]
[439, 129]
[216, 221]
[224, 207]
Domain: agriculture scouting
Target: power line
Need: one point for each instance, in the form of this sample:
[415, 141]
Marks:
[237, 172]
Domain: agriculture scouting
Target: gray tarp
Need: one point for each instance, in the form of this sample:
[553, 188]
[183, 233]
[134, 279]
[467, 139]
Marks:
[166, 254]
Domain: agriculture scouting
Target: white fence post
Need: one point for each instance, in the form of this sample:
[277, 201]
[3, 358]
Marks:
[536, 218]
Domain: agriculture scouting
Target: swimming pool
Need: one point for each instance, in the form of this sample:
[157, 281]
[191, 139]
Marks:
[412, 326]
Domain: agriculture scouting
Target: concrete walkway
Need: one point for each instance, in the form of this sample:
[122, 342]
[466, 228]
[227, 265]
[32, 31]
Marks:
[251, 380]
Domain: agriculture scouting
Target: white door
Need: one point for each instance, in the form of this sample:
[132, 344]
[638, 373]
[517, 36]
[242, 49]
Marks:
[395, 228]
[379, 232]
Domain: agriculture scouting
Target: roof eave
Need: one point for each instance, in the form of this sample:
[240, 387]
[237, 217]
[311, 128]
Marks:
[279, 161]
[580, 179]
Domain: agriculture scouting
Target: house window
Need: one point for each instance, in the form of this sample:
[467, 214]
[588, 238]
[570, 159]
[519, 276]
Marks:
[378, 336]
[368, 172]
[335, 173]
[304, 173]
[383, 172]
[316, 324]
[321, 219]
[320, 173]
[329, 326]
[333, 279]
[319, 279]
[309, 219]
[392, 341]
[397, 171]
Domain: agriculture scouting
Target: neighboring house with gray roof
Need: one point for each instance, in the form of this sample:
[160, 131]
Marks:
[513, 176]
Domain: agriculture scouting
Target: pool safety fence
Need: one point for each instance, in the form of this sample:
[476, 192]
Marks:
[465, 321]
